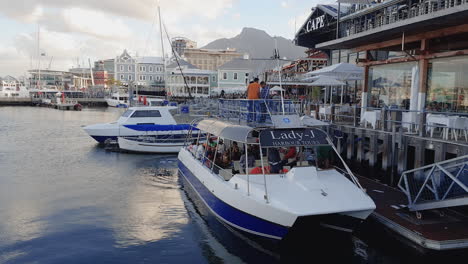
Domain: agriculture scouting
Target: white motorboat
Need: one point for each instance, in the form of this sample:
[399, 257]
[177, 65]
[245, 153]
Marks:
[276, 196]
[118, 100]
[155, 121]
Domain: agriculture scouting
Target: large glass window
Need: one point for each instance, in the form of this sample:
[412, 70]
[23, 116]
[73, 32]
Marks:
[448, 84]
[147, 113]
[390, 85]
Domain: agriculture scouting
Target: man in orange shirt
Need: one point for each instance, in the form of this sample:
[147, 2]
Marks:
[253, 90]
[253, 93]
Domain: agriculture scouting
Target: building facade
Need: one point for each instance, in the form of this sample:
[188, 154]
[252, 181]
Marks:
[240, 71]
[180, 44]
[414, 53]
[60, 80]
[150, 72]
[125, 68]
[187, 80]
[207, 59]
[147, 72]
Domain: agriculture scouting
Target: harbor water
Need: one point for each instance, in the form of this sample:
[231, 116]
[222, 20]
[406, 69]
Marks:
[64, 199]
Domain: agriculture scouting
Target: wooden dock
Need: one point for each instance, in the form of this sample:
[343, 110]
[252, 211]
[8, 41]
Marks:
[442, 229]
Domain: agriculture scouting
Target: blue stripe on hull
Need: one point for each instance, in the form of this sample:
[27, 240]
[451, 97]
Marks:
[231, 215]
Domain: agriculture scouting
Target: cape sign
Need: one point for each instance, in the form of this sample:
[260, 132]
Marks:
[292, 137]
[315, 23]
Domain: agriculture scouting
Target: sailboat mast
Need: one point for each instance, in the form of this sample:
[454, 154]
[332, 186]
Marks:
[39, 56]
[162, 47]
[279, 74]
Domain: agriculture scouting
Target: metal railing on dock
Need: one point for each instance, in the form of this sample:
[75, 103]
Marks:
[256, 112]
[440, 185]
[444, 126]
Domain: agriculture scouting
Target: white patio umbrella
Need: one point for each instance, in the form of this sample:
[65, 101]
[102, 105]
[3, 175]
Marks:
[341, 71]
[323, 80]
[277, 88]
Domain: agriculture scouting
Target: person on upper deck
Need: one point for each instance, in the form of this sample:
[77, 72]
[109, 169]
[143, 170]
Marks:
[253, 90]
[265, 92]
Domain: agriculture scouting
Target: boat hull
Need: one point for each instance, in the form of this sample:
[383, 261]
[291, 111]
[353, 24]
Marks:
[133, 145]
[339, 223]
[230, 215]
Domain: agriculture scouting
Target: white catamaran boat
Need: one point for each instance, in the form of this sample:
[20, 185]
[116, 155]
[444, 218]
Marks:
[268, 194]
[117, 100]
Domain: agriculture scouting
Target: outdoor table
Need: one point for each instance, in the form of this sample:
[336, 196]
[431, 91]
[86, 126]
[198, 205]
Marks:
[447, 123]
[324, 111]
[372, 117]
[409, 120]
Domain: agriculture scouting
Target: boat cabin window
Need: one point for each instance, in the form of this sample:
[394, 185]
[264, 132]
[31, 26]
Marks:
[146, 113]
[127, 113]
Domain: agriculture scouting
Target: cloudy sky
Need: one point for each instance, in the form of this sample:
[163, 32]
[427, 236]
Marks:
[71, 31]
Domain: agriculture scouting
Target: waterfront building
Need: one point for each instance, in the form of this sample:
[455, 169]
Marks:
[180, 44]
[100, 74]
[125, 68]
[60, 80]
[210, 59]
[240, 71]
[150, 72]
[293, 73]
[197, 82]
[414, 53]
[146, 72]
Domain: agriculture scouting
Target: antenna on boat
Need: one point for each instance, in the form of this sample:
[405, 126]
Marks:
[277, 57]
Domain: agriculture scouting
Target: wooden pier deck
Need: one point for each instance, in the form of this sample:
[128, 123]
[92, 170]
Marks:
[442, 229]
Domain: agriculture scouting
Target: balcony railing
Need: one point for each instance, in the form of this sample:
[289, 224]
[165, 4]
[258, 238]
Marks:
[390, 12]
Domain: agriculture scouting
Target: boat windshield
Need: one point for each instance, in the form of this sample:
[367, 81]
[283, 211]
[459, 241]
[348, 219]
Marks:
[127, 113]
[146, 113]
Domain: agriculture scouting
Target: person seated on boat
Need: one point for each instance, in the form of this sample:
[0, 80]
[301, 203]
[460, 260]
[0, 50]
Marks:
[224, 161]
[211, 142]
[275, 161]
[221, 148]
[234, 151]
[250, 160]
[289, 154]
[200, 151]
[324, 156]
[193, 147]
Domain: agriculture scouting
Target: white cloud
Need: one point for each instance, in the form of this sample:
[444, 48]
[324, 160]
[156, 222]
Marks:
[101, 29]
[284, 4]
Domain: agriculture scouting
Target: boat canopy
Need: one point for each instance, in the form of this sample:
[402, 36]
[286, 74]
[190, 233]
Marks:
[225, 130]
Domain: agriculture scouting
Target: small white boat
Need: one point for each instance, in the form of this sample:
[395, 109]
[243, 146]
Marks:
[272, 199]
[149, 129]
[118, 100]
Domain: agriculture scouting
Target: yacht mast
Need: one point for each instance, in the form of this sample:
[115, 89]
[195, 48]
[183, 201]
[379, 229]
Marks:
[38, 57]
[162, 48]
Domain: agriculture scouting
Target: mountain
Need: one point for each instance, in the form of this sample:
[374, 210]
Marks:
[258, 44]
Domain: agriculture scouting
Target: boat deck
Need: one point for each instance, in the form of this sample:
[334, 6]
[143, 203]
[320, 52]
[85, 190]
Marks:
[441, 229]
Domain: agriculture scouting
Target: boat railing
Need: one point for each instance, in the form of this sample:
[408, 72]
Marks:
[439, 185]
[256, 112]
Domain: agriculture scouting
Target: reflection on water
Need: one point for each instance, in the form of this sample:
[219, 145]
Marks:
[65, 200]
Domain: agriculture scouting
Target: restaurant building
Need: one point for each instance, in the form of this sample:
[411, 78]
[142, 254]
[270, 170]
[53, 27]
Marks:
[414, 53]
